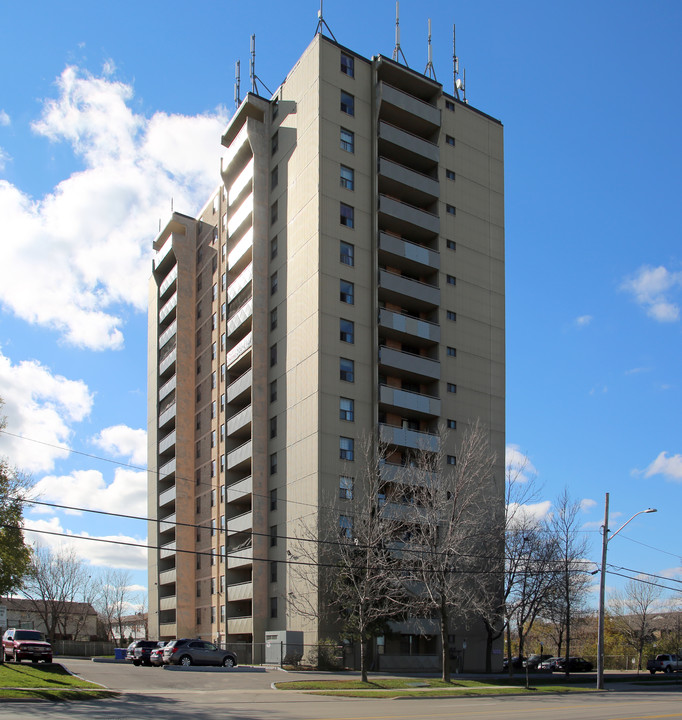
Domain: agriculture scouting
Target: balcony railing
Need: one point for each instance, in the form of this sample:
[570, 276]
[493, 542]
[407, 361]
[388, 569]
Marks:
[406, 290]
[413, 439]
[242, 181]
[240, 558]
[407, 327]
[239, 349]
[168, 334]
[240, 249]
[404, 252]
[240, 591]
[239, 283]
[168, 280]
[412, 401]
[240, 215]
[405, 363]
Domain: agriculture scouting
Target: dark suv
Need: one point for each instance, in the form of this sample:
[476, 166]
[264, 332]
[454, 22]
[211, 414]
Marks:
[147, 645]
[18, 645]
[189, 651]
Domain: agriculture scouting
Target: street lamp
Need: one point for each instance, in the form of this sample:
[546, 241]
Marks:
[602, 586]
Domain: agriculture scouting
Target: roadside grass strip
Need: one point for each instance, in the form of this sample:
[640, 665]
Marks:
[423, 688]
[49, 682]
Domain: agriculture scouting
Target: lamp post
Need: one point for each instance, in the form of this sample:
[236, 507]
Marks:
[602, 586]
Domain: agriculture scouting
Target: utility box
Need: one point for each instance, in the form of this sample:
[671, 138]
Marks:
[283, 647]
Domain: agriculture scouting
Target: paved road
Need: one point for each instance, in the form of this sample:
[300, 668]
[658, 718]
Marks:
[245, 694]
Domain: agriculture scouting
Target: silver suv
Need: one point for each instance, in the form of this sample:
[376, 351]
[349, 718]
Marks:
[197, 652]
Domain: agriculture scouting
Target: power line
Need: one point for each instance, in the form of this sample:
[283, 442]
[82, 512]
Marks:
[641, 580]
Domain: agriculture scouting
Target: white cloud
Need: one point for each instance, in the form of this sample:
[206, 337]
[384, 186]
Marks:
[518, 465]
[586, 504]
[124, 441]
[529, 514]
[40, 406]
[80, 256]
[99, 554]
[653, 288]
[5, 119]
[583, 320]
[4, 157]
[87, 489]
[668, 466]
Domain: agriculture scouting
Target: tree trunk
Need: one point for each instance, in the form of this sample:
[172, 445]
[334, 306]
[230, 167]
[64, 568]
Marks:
[444, 646]
[363, 658]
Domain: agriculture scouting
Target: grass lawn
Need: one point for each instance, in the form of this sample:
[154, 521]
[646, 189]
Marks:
[49, 682]
[423, 687]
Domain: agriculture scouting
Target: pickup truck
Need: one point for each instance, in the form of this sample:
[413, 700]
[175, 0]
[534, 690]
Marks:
[665, 663]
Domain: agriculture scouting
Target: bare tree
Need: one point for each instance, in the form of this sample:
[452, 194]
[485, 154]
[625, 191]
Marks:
[633, 610]
[56, 580]
[114, 600]
[447, 536]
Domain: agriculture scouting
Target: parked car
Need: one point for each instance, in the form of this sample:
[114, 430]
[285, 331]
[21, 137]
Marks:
[156, 655]
[19, 644]
[575, 664]
[665, 663]
[517, 662]
[130, 652]
[534, 660]
[550, 664]
[197, 652]
[144, 649]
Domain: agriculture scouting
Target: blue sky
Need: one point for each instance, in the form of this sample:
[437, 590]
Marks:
[107, 111]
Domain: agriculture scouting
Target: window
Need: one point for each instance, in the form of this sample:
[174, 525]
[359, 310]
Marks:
[449, 140]
[346, 526]
[198, 310]
[213, 435]
[273, 283]
[274, 177]
[347, 103]
[450, 174]
[197, 507]
[198, 589]
[451, 315]
[273, 318]
[223, 252]
[347, 178]
[214, 263]
[273, 571]
[213, 409]
[346, 331]
[212, 468]
[346, 448]
[273, 427]
[223, 310]
[347, 215]
[451, 245]
[275, 107]
[346, 292]
[273, 607]
[198, 422]
[213, 527]
[273, 499]
[451, 209]
[452, 460]
[273, 391]
[452, 352]
[346, 409]
[199, 366]
[222, 372]
[273, 248]
[273, 535]
[214, 380]
[346, 487]
[197, 477]
[348, 65]
[222, 402]
[214, 291]
[222, 341]
[212, 587]
[347, 255]
[274, 143]
[273, 355]
[223, 281]
[452, 388]
[214, 351]
[273, 464]
[347, 370]
[198, 337]
[199, 284]
[452, 424]
[222, 463]
[273, 213]
[449, 105]
[452, 280]
[347, 140]
[197, 449]
[200, 255]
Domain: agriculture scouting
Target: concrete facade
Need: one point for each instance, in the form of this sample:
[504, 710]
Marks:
[346, 276]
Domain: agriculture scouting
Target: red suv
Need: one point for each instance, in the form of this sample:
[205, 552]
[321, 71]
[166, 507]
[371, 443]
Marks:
[18, 645]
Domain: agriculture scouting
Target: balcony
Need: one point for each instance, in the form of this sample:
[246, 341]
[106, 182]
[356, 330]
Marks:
[239, 491]
[168, 603]
[240, 457]
[168, 523]
[239, 150]
[240, 423]
[406, 110]
[408, 255]
[167, 413]
[240, 389]
[416, 403]
[240, 216]
[407, 291]
[168, 281]
[240, 253]
[167, 497]
[162, 253]
[242, 181]
[165, 471]
[240, 558]
[405, 475]
[239, 317]
[236, 358]
[167, 442]
[400, 180]
[242, 591]
[240, 625]
[167, 550]
[167, 360]
[407, 220]
[410, 149]
[239, 283]
[168, 308]
[407, 328]
[167, 576]
[240, 523]
[168, 630]
[405, 364]
[167, 388]
[413, 439]
[168, 334]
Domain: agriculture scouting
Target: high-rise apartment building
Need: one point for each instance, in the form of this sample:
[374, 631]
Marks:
[346, 276]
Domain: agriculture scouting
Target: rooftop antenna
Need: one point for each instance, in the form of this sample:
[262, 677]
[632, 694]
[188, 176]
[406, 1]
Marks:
[321, 23]
[464, 85]
[237, 84]
[455, 66]
[430, 71]
[397, 51]
[252, 70]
